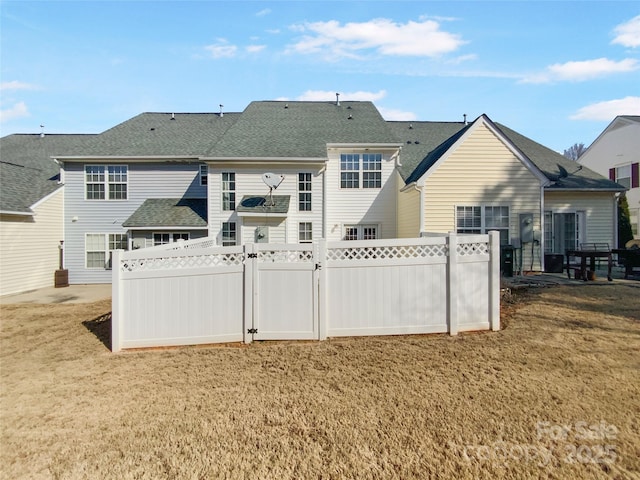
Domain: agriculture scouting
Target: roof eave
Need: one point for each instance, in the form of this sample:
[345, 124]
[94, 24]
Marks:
[129, 158]
[13, 212]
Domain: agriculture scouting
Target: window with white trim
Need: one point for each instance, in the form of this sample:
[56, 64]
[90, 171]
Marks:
[106, 182]
[228, 191]
[477, 219]
[162, 238]
[99, 246]
[372, 170]
[229, 236]
[204, 175]
[360, 232]
[304, 192]
[305, 232]
[367, 173]
[623, 175]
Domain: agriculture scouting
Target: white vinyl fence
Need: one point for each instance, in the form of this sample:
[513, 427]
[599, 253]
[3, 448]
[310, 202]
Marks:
[194, 292]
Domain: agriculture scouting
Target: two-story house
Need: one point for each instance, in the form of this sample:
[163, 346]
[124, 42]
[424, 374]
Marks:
[345, 173]
[616, 154]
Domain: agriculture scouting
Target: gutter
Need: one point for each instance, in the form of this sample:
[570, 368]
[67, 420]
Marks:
[23, 214]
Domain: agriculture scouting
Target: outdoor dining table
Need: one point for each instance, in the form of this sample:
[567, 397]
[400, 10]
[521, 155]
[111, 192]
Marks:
[583, 255]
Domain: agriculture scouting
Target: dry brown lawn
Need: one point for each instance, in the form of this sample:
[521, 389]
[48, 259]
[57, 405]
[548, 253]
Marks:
[555, 394]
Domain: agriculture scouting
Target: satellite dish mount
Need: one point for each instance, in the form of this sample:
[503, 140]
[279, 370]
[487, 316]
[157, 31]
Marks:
[273, 181]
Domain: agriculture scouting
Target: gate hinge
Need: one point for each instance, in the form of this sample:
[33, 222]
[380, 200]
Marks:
[318, 266]
[252, 330]
[252, 255]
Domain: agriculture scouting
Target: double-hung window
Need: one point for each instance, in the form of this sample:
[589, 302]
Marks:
[372, 170]
[304, 192]
[356, 171]
[106, 182]
[478, 219]
[228, 191]
[305, 232]
[204, 175]
[99, 247]
[350, 170]
[229, 237]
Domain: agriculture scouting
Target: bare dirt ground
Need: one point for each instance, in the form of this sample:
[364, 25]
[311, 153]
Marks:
[555, 394]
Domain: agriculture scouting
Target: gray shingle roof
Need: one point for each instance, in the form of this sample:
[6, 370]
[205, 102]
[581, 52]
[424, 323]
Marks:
[264, 204]
[27, 172]
[169, 212]
[425, 142]
[159, 134]
[301, 129]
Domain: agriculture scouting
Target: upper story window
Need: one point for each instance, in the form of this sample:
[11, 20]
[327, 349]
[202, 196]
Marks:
[228, 191]
[106, 182]
[354, 172]
[204, 177]
[304, 192]
[372, 170]
[626, 175]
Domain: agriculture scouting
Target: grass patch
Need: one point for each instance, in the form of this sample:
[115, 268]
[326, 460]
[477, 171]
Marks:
[373, 407]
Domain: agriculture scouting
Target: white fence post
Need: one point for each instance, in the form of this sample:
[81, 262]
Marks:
[322, 288]
[249, 274]
[494, 280]
[452, 284]
[117, 302]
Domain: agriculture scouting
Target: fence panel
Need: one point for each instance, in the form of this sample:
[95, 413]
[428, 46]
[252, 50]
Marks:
[386, 287]
[285, 305]
[177, 297]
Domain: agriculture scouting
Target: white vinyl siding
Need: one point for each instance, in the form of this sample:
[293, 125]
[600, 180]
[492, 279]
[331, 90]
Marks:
[354, 206]
[248, 181]
[29, 252]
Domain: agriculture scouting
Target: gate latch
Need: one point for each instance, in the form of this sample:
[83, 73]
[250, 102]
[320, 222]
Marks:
[252, 330]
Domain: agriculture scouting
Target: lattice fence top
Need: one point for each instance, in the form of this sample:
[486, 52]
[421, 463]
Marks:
[285, 256]
[475, 248]
[181, 262]
[387, 252]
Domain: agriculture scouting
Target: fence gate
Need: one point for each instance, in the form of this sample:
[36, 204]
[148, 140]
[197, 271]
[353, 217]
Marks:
[281, 292]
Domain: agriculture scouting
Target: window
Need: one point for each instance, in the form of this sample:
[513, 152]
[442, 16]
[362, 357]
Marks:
[169, 237]
[349, 170]
[623, 176]
[204, 177]
[106, 182]
[474, 219]
[228, 191]
[304, 192]
[350, 167]
[98, 248]
[372, 170]
[229, 234]
[305, 232]
[360, 232]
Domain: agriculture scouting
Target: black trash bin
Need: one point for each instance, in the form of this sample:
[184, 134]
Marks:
[506, 260]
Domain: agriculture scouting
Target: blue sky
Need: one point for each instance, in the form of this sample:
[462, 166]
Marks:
[557, 72]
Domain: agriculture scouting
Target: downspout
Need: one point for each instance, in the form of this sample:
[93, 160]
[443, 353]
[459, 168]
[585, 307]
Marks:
[420, 191]
[615, 220]
[323, 172]
[542, 231]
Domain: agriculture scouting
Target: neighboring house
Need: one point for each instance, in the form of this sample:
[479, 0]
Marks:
[616, 154]
[348, 174]
[31, 210]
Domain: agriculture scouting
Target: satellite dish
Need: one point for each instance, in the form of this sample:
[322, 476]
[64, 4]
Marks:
[273, 181]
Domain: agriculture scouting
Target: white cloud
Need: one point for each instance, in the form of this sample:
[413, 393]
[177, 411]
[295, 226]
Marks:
[584, 70]
[16, 85]
[334, 40]
[222, 49]
[255, 48]
[628, 33]
[609, 110]
[19, 110]
[397, 115]
[323, 95]
[263, 12]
